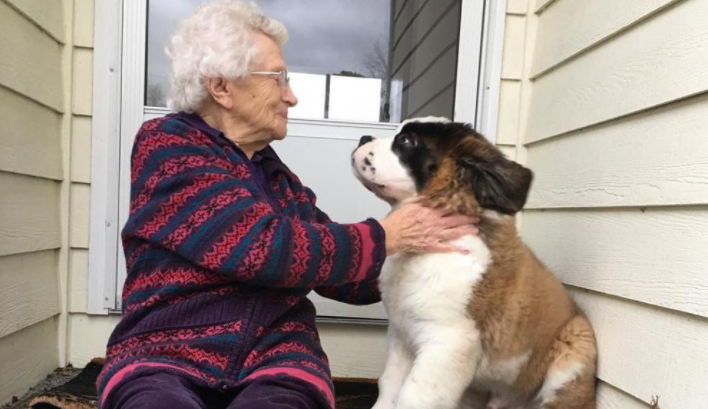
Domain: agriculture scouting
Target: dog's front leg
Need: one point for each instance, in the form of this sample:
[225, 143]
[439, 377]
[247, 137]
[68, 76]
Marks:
[442, 370]
[398, 364]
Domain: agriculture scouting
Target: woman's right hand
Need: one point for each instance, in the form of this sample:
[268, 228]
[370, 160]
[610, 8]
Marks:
[419, 229]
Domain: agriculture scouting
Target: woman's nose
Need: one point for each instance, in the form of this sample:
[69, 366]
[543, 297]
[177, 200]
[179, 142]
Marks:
[289, 97]
[365, 139]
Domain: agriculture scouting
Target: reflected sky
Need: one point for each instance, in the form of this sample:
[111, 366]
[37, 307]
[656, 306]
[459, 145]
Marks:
[326, 36]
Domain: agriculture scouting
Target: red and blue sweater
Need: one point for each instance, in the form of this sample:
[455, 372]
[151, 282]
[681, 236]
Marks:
[221, 252]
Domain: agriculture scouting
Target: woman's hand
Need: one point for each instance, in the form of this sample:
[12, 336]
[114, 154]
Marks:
[419, 229]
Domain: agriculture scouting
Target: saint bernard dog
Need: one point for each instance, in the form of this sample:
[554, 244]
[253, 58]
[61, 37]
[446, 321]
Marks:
[495, 320]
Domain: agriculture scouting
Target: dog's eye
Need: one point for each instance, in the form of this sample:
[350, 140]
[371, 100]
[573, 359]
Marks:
[407, 140]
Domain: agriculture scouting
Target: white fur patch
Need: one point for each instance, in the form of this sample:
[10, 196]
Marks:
[436, 287]
[501, 372]
[379, 169]
[422, 119]
[426, 296]
[556, 379]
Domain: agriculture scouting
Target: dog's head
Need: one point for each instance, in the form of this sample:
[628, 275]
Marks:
[447, 163]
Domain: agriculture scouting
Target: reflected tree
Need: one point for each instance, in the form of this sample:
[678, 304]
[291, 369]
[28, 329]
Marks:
[155, 96]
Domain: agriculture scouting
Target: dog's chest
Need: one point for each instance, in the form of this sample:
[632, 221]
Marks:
[433, 287]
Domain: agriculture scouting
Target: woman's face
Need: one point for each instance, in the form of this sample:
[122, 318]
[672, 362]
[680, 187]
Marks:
[259, 101]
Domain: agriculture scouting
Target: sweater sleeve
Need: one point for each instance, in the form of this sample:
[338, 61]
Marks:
[189, 199]
[360, 293]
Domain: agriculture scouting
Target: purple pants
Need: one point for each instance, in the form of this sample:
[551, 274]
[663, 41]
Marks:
[167, 391]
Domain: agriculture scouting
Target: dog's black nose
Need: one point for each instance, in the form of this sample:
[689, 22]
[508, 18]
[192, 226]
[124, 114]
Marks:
[365, 139]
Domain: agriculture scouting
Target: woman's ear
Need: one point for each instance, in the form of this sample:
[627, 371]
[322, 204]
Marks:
[498, 183]
[221, 91]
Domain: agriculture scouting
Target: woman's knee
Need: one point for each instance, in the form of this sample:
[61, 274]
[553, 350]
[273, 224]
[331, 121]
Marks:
[279, 392]
[156, 391]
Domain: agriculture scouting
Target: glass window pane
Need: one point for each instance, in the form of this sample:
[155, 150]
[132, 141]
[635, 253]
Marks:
[311, 91]
[364, 60]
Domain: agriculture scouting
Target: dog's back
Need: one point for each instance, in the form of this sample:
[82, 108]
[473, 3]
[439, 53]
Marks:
[528, 322]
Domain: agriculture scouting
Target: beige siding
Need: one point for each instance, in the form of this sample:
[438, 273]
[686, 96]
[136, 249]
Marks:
[82, 91]
[81, 149]
[609, 397]
[29, 214]
[78, 280]
[29, 137]
[514, 36]
[88, 336]
[27, 357]
[655, 255]
[656, 158]
[45, 14]
[32, 178]
[80, 212]
[509, 151]
[31, 59]
[510, 93]
[649, 351]
[560, 43]
[613, 106]
[83, 23]
[509, 110]
[356, 351]
[28, 290]
[541, 5]
[79, 219]
[659, 61]
[518, 7]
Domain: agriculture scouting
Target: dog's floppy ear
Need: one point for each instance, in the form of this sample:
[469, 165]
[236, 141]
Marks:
[498, 183]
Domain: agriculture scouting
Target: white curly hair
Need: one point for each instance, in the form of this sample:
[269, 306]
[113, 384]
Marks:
[215, 41]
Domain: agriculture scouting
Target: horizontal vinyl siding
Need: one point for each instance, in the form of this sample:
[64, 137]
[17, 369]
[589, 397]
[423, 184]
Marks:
[657, 62]
[29, 214]
[30, 141]
[31, 174]
[44, 14]
[27, 357]
[29, 291]
[647, 351]
[31, 59]
[557, 43]
[615, 135]
[656, 158]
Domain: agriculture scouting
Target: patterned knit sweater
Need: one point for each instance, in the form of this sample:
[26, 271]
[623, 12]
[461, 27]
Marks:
[221, 252]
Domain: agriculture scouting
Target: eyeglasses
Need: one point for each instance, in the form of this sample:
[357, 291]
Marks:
[283, 79]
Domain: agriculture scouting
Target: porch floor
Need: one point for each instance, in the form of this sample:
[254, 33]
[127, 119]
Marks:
[59, 377]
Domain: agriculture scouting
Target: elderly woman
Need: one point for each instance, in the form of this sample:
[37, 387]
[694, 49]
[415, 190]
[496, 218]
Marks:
[224, 243]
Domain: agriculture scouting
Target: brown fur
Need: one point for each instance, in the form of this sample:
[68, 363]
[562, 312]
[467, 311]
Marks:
[519, 305]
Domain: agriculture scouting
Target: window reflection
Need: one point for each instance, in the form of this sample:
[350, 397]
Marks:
[364, 60]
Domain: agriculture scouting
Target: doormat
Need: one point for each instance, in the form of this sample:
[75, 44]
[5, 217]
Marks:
[80, 392]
